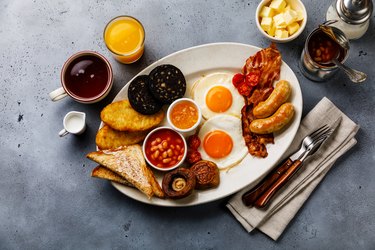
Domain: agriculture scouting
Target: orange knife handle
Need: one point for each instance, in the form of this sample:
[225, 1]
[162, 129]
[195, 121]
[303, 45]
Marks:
[253, 194]
[276, 186]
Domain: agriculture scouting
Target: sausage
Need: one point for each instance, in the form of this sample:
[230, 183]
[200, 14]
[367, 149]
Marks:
[275, 122]
[278, 96]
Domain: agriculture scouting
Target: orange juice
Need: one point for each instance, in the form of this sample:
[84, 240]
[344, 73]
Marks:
[124, 36]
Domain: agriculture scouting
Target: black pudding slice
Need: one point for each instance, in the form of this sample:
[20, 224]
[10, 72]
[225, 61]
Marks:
[167, 83]
[140, 97]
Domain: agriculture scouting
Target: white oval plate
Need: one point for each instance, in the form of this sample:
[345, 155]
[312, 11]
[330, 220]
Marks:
[196, 62]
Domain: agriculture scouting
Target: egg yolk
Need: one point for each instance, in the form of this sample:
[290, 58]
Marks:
[217, 144]
[219, 99]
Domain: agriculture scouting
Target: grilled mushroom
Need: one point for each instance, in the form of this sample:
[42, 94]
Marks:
[207, 174]
[179, 183]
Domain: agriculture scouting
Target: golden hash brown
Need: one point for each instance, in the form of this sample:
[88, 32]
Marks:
[122, 117]
[108, 138]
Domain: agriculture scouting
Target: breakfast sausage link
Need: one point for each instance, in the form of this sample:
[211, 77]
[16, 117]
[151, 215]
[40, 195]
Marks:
[278, 96]
[275, 122]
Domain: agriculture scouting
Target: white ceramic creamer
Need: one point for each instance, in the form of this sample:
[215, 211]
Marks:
[74, 123]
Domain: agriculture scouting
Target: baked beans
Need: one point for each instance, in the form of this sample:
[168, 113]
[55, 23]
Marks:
[322, 48]
[164, 148]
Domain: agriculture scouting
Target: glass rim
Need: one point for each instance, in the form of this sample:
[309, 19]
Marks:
[136, 49]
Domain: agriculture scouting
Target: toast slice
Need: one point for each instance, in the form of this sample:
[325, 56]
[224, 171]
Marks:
[129, 163]
[155, 184]
[104, 173]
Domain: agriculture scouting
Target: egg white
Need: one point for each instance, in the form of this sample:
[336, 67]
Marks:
[202, 86]
[232, 126]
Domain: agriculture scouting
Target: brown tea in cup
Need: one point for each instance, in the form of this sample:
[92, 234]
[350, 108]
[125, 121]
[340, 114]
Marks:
[86, 77]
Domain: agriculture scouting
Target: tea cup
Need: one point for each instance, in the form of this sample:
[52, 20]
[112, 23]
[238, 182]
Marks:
[86, 77]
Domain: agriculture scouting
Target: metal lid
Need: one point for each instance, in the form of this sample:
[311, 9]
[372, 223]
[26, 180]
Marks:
[354, 11]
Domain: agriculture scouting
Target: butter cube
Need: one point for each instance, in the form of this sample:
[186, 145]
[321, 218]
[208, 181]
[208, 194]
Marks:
[292, 28]
[272, 30]
[281, 33]
[299, 16]
[279, 21]
[266, 23]
[278, 5]
[267, 12]
[290, 16]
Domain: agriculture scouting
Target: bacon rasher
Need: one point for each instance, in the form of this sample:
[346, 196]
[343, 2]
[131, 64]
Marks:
[268, 62]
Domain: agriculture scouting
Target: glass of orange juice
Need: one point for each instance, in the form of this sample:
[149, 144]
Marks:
[124, 36]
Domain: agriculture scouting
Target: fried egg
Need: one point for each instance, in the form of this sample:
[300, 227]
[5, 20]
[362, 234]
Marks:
[222, 141]
[215, 94]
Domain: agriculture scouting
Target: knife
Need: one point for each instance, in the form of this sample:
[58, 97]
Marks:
[263, 192]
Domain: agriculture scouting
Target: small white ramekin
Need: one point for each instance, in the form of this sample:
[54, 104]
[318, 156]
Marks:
[156, 167]
[188, 130]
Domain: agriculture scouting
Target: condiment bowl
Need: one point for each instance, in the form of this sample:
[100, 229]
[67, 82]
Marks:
[162, 147]
[296, 5]
[184, 131]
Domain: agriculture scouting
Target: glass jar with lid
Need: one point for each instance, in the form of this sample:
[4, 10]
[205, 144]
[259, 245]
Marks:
[353, 16]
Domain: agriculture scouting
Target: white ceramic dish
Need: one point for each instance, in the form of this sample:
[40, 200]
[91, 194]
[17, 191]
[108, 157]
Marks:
[188, 130]
[149, 161]
[296, 5]
[201, 60]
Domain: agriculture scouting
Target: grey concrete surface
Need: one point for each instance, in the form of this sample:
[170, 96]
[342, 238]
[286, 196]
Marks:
[48, 199]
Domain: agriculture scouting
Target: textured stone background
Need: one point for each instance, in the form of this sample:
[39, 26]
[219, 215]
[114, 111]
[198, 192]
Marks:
[48, 200]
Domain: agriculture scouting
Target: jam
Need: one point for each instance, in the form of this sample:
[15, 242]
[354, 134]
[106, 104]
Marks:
[184, 115]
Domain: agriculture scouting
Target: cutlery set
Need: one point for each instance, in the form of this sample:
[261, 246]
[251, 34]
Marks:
[262, 194]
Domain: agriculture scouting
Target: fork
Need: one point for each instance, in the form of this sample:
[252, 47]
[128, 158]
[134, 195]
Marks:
[288, 167]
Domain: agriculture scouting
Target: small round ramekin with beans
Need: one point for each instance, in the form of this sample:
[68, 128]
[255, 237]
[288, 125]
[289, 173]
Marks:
[164, 149]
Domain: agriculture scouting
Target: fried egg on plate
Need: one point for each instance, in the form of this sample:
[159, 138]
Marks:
[222, 141]
[215, 94]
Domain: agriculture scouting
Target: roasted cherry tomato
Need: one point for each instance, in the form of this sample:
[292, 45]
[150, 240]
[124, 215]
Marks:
[244, 89]
[193, 156]
[252, 79]
[238, 79]
[193, 142]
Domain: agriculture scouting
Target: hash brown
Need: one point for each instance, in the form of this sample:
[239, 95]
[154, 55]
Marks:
[122, 117]
[108, 138]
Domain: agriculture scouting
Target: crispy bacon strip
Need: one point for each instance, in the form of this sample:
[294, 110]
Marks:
[268, 62]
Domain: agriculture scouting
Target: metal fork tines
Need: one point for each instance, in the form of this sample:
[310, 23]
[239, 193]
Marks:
[308, 140]
[316, 141]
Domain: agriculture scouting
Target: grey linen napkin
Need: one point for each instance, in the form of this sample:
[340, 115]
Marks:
[273, 220]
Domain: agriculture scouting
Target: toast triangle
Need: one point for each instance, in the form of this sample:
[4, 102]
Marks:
[106, 174]
[129, 163]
